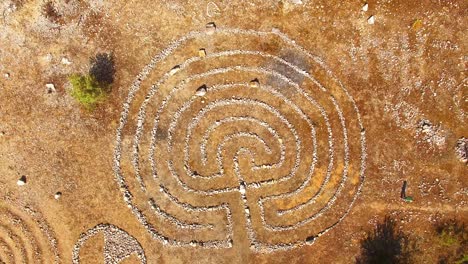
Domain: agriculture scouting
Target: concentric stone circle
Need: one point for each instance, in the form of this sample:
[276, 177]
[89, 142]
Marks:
[233, 137]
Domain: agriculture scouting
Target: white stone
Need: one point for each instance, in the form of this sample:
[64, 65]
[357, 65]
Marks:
[202, 53]
[210, 28]
[174, 70]
[247, 211]
[201, 91]
[7, 75]
[57, 195]
[297, 2]
[365, 7]
[254, 83]
[21, 181]
[242, 189]
[50, 87]
[371, 20]
[66, 61]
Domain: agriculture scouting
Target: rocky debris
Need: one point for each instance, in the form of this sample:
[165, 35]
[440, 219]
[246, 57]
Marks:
[371, 20]
[21, 181]
[430, 133]
[57, 195]
[6, 75]
[461, 149]
[210, 28]
[201, 91]
[365, 7]
[118, 244]
[50, 88]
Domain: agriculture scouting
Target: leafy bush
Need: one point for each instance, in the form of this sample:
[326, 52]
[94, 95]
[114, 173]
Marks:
[91, 89]
[386, 245]
[86, 90]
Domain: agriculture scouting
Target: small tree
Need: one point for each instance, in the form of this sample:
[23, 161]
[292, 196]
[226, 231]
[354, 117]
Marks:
[92, 88]
[386, 245]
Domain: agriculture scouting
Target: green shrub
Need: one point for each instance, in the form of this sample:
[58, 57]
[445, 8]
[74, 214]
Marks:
[92, 88]
[86, 90]
[463, 260]
[451, 232]
[453, 239]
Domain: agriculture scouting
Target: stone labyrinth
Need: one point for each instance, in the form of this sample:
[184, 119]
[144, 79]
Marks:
[25, 237]
[239, 138]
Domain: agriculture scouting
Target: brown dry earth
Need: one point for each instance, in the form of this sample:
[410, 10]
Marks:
[406, 73]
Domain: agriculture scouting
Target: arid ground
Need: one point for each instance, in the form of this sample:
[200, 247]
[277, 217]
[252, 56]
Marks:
[234, 132]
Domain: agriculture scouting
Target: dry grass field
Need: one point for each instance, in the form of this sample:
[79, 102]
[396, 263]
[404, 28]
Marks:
[231, 131]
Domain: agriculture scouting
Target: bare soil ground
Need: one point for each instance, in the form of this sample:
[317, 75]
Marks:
[284, 141]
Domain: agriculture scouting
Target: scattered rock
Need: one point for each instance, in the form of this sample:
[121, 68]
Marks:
[57, 195]
[6, 75]
[254, 83]
[50, 88]
[202, 53]
[310, 240]
[66, 61]
[21, 181]
[174, 70]
[210, 28]
[431, 134]
[365, 7]
[48, 57]
[462, 149]
[201, 91]
[242, 188]
[371, 20]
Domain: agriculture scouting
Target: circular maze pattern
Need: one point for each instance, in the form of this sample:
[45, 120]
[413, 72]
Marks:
[234, 137]
[24, 236]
